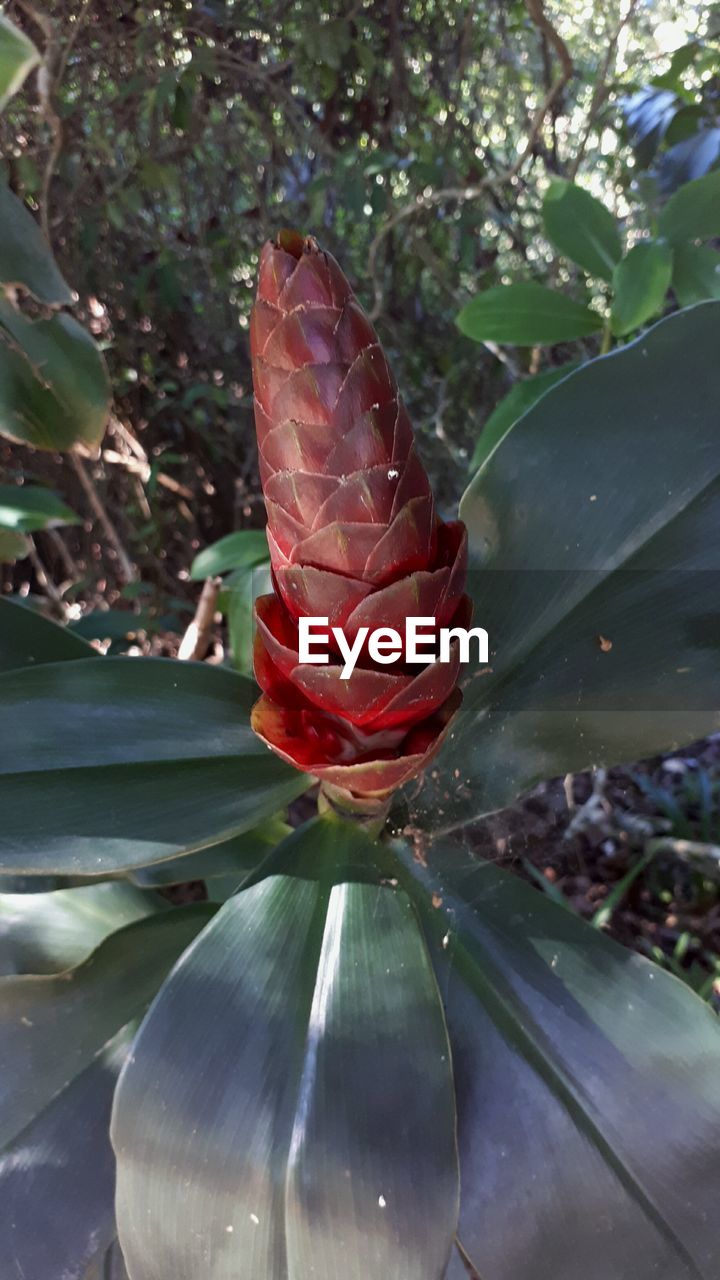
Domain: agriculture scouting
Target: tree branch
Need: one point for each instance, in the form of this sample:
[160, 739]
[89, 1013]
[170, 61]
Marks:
[600, 91]
[126, 566]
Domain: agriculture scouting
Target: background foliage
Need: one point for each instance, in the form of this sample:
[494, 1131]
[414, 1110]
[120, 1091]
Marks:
[179, 135]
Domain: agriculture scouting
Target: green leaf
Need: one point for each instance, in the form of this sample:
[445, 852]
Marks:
[581, 228]
[693, 212]
[595, 517]
[63, 1036]
[122, 762]
[696, 274]
[25, 256]
[18, 56]
[584, 1076]
[53, 1026]
[231, 859]
[640, 283]
[26, 638]
[49, 932]
[13, 546]
[239, 550]
[526, 315]
[57, 1179]
[237, 599]
[28, 508]
[54, 389]
[521, 397]
[326, 1144]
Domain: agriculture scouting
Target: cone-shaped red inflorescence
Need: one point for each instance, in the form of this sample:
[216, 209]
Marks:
[352, 531]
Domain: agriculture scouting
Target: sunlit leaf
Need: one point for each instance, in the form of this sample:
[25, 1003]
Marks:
[239, 550]
[54, 389]
[326, 1144]
[640, 283]
[18, 56]
[25, 256]
[29, 508]
[525, 315]
[582, 228]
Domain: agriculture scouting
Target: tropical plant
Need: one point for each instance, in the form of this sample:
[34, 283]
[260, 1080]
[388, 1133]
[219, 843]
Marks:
[368, 1053]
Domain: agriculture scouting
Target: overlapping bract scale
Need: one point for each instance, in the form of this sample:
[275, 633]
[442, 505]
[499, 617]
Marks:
[352, 530]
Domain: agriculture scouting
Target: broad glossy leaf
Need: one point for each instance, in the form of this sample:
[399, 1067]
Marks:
[696, 273]
[640, 282]
[60, 1051]
[326, 1145]
[29, 507]
[594, 521]
[49, 932]
[53, 1026]
[238, 550]
[18, 56]
[13, 546]
[526, 315]
[521, 397]
[693, 212]
[122, 762]
[57, 1181]
[582, 228]
[587, 1086]
[232, 859]
[54, 388]
[25, 256]
[27, 638]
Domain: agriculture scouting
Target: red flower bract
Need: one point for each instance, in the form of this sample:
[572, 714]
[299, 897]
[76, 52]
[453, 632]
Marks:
[352, 531]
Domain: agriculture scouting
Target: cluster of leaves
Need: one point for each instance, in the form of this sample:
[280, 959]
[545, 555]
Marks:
[54, 390]
[637, 283]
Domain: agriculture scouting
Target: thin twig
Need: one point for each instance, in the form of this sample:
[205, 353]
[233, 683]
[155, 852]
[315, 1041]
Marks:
[196, 641]
[489, 182]
[127, 568]
[71, 569]
[45, 580]
[70, 42]
[144, 471]
[601, 89]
